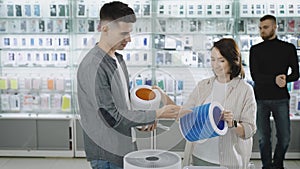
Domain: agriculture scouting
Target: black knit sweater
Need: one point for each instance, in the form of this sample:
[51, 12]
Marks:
[269, 59]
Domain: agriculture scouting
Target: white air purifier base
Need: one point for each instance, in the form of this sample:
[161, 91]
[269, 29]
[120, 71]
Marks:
[149, 159]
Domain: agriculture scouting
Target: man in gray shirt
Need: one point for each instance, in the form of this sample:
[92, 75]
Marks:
[103, 97]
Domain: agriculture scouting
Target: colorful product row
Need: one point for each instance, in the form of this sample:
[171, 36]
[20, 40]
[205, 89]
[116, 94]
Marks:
[51, 83]
[42, 102]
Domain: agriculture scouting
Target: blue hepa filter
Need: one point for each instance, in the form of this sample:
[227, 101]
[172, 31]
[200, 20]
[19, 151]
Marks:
[203, 123]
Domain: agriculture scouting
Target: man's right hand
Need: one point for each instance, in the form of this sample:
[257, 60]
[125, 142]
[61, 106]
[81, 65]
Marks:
[171, 111]
[281, 80]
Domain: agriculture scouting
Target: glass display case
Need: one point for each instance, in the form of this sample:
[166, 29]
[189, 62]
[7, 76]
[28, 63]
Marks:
[35, 82]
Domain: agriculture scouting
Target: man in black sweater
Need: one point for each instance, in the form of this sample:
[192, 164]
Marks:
[270, 62]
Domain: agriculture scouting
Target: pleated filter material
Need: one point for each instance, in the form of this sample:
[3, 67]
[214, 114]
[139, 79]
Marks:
[203, 122]
[148, 159]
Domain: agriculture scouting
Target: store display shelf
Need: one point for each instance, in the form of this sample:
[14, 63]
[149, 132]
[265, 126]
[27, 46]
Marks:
[36, 49]
[35, 66]
[36, 116]
[86, 49]
[145, 65]
[169, 17]
[37, 153]
[138, 50]
[34, 33]
[221, 32]
[178, 67]
[295, 117]
[254, 34]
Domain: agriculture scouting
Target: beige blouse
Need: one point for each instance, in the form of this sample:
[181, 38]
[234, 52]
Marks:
[235, 152]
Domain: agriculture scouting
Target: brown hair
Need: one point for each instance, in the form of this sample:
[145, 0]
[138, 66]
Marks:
[230, 51]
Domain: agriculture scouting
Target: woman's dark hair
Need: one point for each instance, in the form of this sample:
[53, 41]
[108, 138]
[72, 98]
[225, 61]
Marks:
[230, 51]
[117, 10]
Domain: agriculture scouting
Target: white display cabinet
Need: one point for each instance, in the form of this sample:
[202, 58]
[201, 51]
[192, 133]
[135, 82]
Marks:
[78, 138]
[35, 57]
[35, 81]
[36, 135]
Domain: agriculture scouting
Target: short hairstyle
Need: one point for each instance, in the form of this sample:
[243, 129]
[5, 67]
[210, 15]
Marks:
[117, 10]
[230, 51]
[268, 17]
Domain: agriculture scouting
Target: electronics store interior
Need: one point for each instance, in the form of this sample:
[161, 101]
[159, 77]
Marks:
[43, 43]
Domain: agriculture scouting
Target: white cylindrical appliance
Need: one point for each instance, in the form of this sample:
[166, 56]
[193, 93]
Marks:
[143, 97]
[149, 159]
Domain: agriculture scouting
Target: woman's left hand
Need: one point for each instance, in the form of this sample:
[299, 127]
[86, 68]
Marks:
[228, 117]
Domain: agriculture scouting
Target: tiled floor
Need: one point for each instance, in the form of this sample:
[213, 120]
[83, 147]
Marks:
[81, 163]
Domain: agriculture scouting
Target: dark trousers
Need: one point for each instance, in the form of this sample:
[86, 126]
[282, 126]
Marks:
[102, 164]
[280, 113]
